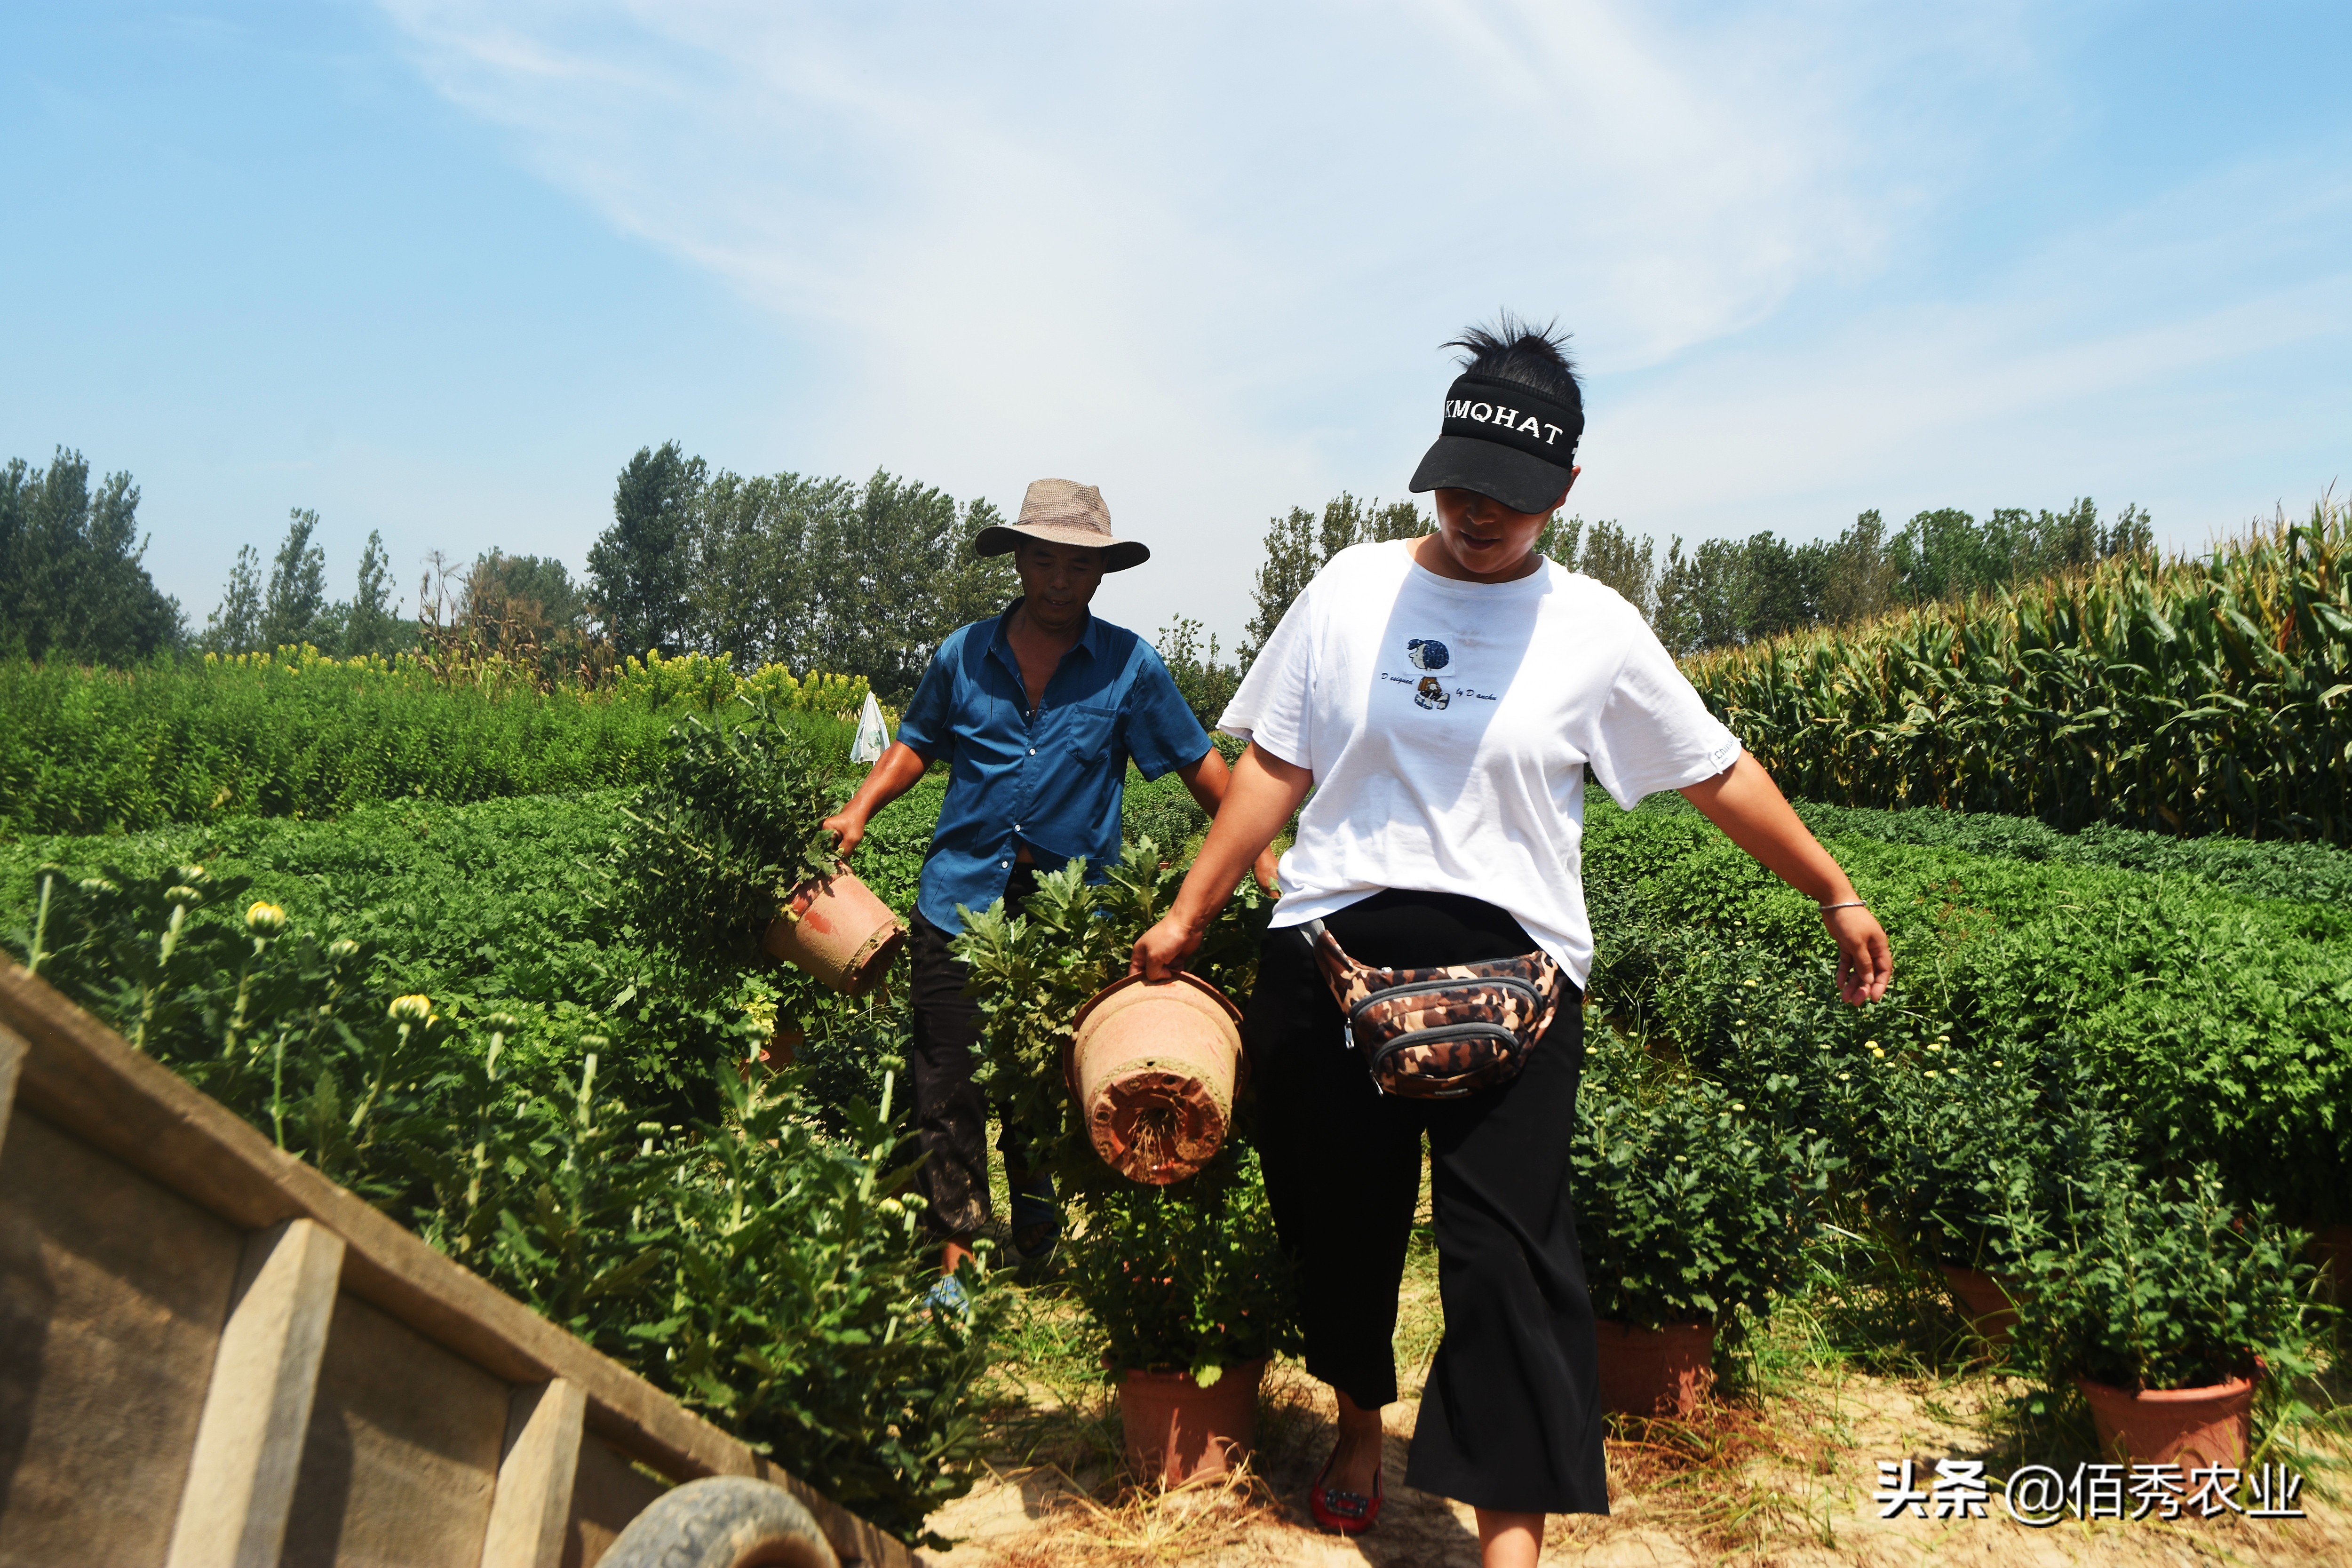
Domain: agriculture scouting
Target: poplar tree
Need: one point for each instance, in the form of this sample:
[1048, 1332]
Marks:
[1300, 543]
[372, 624]
[639, 567]
[72, 580]
[295, 603]
[235, 625]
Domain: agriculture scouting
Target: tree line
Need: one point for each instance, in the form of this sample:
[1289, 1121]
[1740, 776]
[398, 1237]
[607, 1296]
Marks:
[866, 577]
[814, 573]
[1719, 593]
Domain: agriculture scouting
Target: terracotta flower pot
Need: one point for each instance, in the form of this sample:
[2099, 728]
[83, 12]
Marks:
[1178, 1431]
[1154, 1069]
[1656, 1372]
[834, 927]
[2211, 1426]
[1983, 1301]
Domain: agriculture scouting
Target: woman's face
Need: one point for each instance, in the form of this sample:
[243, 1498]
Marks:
[1486, 541]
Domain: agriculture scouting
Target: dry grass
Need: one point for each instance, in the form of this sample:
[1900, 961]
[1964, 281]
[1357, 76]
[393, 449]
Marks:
[1869, 1364]
[1142, 1526]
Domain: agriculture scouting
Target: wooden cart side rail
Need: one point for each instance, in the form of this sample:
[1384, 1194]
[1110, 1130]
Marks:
[82, 1076]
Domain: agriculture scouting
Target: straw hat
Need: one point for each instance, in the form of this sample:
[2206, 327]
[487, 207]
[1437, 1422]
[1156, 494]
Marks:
[1063, 512]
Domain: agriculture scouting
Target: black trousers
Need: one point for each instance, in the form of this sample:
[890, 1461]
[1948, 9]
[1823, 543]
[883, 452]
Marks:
[950, 1112]
[1510, 1418]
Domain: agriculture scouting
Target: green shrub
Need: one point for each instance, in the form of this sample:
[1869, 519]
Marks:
[731, 823]
[1163, 811]
[92, 751]
[1186, 1278]
[2319, 875]
[1951, 1157]
[2145, 1284]
[1688, 1209]
[2225, 1030]
[1033, 969]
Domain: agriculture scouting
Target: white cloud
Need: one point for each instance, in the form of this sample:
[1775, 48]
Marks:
[2160, 354]
[1201, 254]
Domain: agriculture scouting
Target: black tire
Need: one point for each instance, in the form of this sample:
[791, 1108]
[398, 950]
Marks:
[722, 1521]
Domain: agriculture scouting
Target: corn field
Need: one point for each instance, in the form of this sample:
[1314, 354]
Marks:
[2201, 695]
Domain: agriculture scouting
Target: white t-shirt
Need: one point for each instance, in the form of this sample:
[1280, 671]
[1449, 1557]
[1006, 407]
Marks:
[1449, 727]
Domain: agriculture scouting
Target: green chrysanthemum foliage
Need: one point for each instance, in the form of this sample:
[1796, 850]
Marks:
[2138, 1282]
[1688, 1208]
[732, 824]
[1187, 1278]
[1955, 1154]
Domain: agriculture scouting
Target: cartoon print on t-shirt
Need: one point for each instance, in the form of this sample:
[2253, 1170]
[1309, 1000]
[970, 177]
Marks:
[1429, 693]
[1427, 653]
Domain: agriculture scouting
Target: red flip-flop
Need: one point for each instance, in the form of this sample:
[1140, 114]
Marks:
[1350, 1513]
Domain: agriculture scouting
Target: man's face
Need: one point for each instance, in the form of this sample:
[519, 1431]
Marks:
[1059, 580]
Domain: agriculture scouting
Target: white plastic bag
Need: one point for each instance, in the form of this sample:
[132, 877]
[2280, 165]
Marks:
[872, 735]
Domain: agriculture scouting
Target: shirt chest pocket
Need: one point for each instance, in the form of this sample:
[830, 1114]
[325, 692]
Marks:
[1084, 734]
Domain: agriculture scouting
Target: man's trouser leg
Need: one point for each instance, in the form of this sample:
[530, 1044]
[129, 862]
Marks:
[950, 1112]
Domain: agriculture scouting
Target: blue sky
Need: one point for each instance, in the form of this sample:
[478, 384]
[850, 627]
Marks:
[438, 269]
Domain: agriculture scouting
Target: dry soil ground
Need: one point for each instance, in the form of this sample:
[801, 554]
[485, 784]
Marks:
[1782, 1470]
[1787, 1479]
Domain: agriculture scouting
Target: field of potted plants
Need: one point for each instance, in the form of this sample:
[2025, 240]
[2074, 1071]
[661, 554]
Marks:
[2110, 1085]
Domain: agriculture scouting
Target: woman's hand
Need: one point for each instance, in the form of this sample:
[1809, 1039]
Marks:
[1160, 951]
[1748, 805]
[1864, 962]
[1251, 808]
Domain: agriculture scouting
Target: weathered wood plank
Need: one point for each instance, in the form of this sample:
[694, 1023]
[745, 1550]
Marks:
[12, 1054]
[86, 1080]
[533, 1503]
[249, 1449]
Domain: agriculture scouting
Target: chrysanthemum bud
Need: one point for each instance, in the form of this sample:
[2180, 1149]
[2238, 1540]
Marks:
[414, 1009]
[265, 918]
[342, 947]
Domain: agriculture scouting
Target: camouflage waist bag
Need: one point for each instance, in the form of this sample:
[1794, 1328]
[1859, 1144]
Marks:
[1436, 1034]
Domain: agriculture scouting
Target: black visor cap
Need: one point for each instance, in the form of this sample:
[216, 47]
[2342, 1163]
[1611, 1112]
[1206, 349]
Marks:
[1521, 482]
[1502, 440]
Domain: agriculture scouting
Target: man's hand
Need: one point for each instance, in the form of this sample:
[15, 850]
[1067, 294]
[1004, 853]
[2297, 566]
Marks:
[1264, 868]
[848, 826]
[1160, 951]
[894, 774]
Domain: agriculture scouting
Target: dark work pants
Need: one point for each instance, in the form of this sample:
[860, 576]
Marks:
[1510, 1418]
[950, 1112]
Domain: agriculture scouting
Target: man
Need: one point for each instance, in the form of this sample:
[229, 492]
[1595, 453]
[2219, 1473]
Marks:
[1037, 712]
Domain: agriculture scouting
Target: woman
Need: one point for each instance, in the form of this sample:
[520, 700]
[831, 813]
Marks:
[1446, 698]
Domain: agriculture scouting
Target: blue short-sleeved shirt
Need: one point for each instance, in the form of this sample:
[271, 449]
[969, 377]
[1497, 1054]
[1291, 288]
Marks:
[1052, 781]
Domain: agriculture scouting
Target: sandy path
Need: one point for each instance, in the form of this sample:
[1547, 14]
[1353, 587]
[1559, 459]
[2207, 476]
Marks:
[1791, 1487]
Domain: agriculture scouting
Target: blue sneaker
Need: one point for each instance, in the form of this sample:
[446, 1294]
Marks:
[1037, 1222]
[949, 1296]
